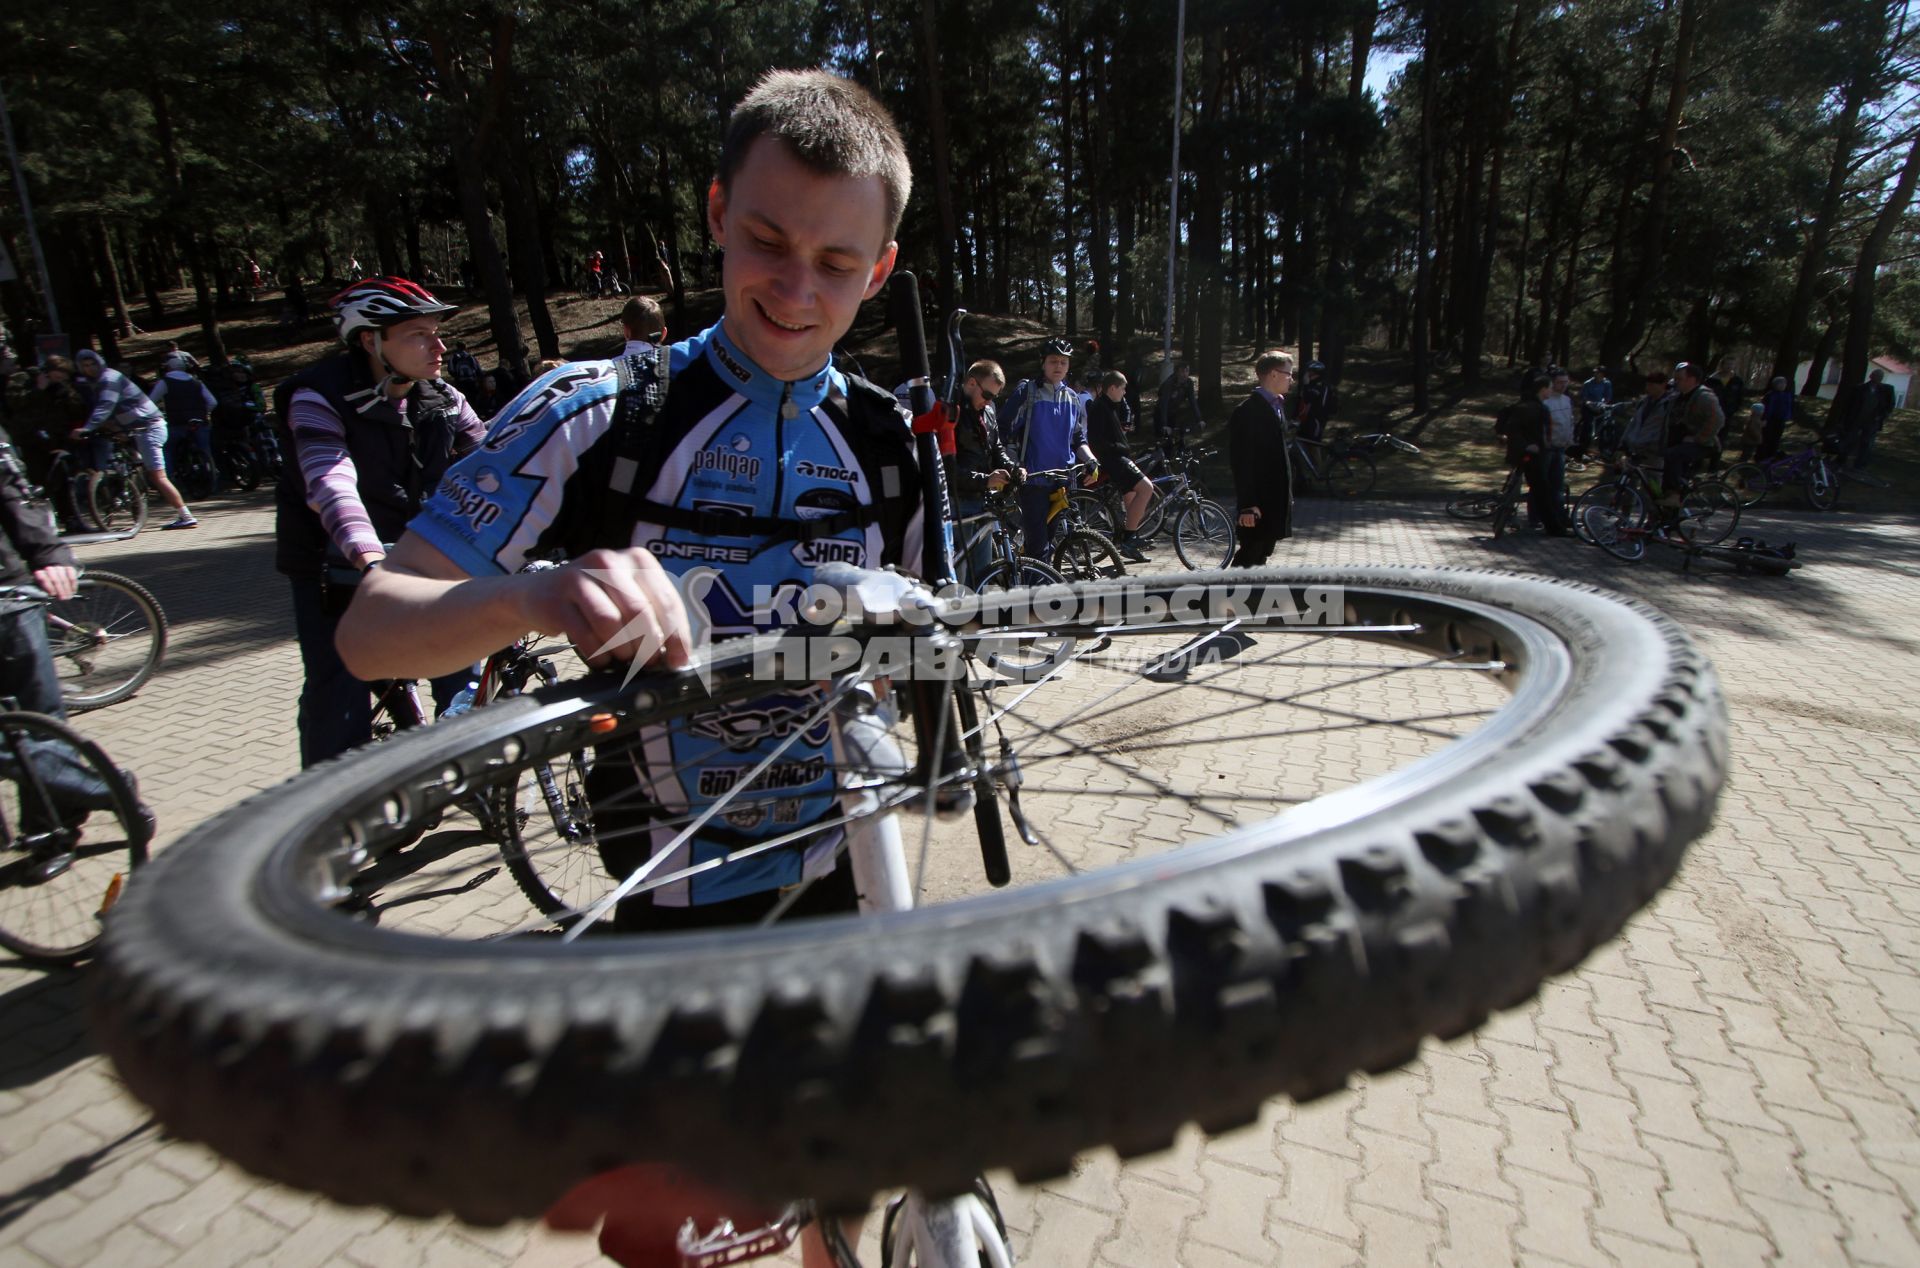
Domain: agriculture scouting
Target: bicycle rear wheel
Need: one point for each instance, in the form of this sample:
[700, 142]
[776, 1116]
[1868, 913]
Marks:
[196, 477]
[1203, 535]
[70, 834]
[1822, 485]
[1613, 516]
[1548, 751]
[1093, 510]
[1749, 482]
[1709, 512]
[106, 640]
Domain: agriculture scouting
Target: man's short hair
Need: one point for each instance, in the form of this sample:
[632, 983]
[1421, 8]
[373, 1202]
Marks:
[1270, 361]
[1112, 378]
[984, 370]
[56, 362]
[1876, 374]
[641, 317]
[832, 125]
[1689, 369]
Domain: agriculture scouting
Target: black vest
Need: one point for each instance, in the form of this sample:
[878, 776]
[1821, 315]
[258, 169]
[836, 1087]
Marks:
[399, 461]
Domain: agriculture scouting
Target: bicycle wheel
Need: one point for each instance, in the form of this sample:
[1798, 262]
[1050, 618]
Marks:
[1613, 516]
[1709, 512]
[1093, 510]
[1153, 521]
[548, 845]
[1084, 555]
[70, 833]
[196, 476]
[106, 640]
[1748, 480]
[241, 472]
[1350, 475]
[1478, 507]
[1203, 535]
[117, 502]
[1822, 485]
[1532, 757]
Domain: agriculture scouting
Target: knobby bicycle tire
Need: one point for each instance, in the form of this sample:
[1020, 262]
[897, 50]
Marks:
[54, 916]
[1084, 555]
[107, 640]
[1093, 510]
[1013, 1028]
[117, 501]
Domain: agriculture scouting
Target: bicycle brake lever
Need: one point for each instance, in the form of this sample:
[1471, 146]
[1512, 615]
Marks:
[727, 1245]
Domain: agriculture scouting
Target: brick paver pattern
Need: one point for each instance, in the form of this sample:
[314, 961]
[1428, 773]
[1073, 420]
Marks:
[1733, 1081]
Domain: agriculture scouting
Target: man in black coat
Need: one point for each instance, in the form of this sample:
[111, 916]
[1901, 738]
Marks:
[1527, 426]
[1262, 475]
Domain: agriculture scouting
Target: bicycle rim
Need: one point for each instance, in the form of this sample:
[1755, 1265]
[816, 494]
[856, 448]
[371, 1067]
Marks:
[106, 640]
[1287, 936]
[1709, 512]
[1749, 482]
[64, 859]
[1822, 486]
[1084, 555]
[1203, 536]
[1474, 508]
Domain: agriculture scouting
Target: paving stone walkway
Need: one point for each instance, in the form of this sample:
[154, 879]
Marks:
[1733, 1081]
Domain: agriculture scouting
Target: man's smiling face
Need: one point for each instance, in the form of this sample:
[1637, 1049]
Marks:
[803, 250]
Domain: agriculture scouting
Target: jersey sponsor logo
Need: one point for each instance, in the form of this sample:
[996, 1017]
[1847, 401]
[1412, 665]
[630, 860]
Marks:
[817, 504]
[557, 389]
[747, 818]
[721, 508]
[709, 551]
[821, 471]
[718, 781]
[712, 600]
[829, 550]
[727, 362]
[733, 458]
[743, 727]
[470, 503]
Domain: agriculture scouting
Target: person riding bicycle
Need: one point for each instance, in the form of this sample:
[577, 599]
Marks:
[185, 400]
[1596, 392]
[368, 432]
[119, 405]
[1262, 467]
[1696, 423]
[1645, 435]
[1047, 429]
[980, 462]
[1314, 403]
[1109, 419]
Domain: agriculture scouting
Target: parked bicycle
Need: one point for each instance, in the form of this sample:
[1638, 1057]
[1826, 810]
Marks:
[1202, 530]
[1075, 550]
[1622, 514]
[1810, 468]
[71, 832]
[1334, 465]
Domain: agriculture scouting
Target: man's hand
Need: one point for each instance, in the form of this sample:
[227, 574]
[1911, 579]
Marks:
[613, 605]
[58, 580]
[643, 1207]
[78, 433]
[997, 480]
[1249, 517]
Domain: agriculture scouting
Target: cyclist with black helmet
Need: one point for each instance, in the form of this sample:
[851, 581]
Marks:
[371, 430]
[120, 405]
[185, 400]
[1047, 430]
[1315, 404]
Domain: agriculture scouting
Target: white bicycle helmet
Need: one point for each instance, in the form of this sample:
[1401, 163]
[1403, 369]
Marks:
[377, 304]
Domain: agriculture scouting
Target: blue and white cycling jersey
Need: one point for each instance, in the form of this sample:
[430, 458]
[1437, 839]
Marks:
[729, 440]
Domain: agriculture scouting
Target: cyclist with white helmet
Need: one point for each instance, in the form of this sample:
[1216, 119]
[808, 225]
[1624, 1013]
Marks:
[371, 430]
[120, 405]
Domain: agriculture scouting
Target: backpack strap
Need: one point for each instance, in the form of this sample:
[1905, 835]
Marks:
[644, 377]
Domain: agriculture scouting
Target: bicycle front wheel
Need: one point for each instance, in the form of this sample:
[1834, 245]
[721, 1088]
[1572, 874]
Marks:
[1479, 507]
[1084, 555]
[1822, 485]
[1531, 757]
[1203, 535]
[106, 640]
[1613, 516]
[70, 834]
[117, 502]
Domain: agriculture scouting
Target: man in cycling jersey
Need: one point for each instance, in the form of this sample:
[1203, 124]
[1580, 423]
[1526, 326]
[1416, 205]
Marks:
[759, 437]
[370, 430]
[119, 404]
[1047, 431]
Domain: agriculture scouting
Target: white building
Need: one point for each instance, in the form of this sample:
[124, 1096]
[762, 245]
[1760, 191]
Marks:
[1898, 375]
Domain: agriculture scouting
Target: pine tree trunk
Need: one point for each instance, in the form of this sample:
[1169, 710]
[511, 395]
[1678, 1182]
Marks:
[1859, 345]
